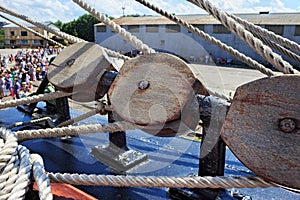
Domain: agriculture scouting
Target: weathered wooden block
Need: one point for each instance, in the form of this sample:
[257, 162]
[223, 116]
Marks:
[156, 91]
[262, 128]
[79, 68]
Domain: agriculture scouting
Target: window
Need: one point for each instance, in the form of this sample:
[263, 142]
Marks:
[134, 28]
[297, 30]
[199, 26]
[101, 29]
[36, 42]
[12, 42]
[152, 28]
[172, 28]
[220, 29]
[12, 33]
[24, 41]
[23, 33]
[277, 29]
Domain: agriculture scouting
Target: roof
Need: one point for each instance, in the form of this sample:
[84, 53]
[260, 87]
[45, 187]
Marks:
[28, 25]
[265, 19]
[16, 26]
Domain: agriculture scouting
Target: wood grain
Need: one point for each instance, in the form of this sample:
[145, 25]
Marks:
[252, 131]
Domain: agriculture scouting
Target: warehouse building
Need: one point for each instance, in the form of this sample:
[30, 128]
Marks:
[166, 36]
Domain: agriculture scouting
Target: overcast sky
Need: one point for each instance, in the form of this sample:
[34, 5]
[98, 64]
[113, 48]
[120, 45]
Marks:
[67, 10]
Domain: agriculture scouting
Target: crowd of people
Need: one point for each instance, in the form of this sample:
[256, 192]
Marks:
[19, 72]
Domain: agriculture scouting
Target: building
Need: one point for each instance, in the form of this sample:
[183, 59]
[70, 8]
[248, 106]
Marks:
[164, 35]
[16, 37]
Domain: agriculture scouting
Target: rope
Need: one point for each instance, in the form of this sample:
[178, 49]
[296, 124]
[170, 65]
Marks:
[33, 99]
[210, 39]
[116, 28]
[61, 34]
[39, 174]
[32, 31]
[160, 181]
[252, 41]
[15, 167]
[75, 130]
[279, 48]
[79, 118]
[101, 108]
[35, 121]
[269, 34]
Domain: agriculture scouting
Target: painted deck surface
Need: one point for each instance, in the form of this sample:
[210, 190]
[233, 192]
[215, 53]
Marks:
[174, 156]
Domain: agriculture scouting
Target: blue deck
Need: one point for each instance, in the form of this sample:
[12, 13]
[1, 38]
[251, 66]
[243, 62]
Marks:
[174, 156]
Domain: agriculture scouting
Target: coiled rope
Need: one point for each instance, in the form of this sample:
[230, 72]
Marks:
[133, 40]
[210, 39]
[265, 51]
[15, 168]
[61, 34]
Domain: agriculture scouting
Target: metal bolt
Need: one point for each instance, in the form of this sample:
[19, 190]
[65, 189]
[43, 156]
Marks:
[144, 85]
[70, 62]
[287, 125]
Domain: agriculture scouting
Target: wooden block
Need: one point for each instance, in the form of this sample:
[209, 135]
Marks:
[262, 128]
[78, 68]
[152, 90]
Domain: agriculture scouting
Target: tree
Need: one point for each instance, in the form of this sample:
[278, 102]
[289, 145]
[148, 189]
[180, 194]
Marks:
[83, 27]
[2, 41]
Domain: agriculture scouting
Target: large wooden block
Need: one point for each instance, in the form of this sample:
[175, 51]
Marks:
[262, 128]
[79, 68]
[155, 90]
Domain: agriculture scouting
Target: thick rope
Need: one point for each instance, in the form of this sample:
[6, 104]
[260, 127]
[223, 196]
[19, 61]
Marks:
[279, 48]
[33, 31]
[40, 177]
[33, 99]
[269, 34]
[210, 39]
[15, 167]
[61, 34]
[160, 181]
[133, 40]
[75, 130]
[265, 51]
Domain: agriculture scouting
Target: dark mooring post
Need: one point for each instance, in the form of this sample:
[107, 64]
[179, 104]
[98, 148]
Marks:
[62, 110]
[212, 149]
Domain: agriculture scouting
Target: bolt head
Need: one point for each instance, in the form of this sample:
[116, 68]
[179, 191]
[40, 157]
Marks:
[287, 125]
[144, 85]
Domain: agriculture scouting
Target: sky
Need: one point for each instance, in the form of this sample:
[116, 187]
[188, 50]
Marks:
[67, 10]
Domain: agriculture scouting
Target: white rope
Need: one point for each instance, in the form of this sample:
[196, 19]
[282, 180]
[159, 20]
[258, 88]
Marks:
[75, 130]
[116, 28]
[33, 99]
[15, 167]
[277, 47]
[266, 52]
[61, 34]
[269, 34]
[40, 177]
[33, 31]
[160, 181]
[210, 39]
